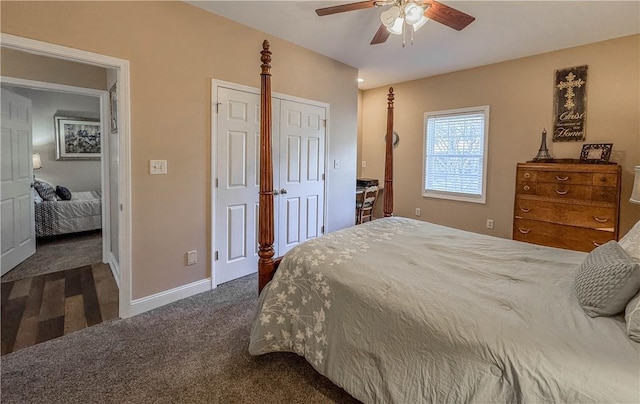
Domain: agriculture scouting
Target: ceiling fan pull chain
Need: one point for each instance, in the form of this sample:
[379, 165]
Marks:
[412, 31]
[403, 34]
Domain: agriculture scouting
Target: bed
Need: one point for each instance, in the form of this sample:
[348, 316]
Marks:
[83, 212]
[402, 311]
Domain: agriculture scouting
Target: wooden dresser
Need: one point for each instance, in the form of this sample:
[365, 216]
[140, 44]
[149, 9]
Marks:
[572, 206]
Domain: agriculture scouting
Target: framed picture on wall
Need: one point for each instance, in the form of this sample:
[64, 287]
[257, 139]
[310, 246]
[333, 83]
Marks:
[113, 108]
[77, 138]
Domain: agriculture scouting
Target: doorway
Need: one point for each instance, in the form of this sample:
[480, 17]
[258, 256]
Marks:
[79, 180]
[119, 208]
[65, 285]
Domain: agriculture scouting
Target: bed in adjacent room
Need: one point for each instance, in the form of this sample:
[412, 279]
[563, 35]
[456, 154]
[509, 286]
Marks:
[65, 212]
[403, 311]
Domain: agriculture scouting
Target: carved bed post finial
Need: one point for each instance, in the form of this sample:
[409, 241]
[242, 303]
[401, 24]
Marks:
[265, 58]
[266, 265]
[388, 158]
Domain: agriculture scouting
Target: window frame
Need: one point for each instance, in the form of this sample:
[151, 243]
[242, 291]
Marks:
[456, 196]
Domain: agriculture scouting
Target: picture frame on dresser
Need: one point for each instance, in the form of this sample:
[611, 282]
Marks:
[597, 153]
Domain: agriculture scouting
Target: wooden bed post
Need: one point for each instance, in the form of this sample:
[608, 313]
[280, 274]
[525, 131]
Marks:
[388, 159]
[266, 266]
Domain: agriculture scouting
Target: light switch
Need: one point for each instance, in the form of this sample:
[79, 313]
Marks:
[336, 164]
[157, 167]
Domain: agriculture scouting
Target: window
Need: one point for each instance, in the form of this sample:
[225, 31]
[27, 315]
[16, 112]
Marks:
[455, 154]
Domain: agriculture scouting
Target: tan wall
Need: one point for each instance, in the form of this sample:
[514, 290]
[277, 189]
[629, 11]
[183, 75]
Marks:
[175, 50]
[23, 65]
[520, 94]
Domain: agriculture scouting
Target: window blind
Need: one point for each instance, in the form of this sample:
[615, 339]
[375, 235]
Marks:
[454, 153]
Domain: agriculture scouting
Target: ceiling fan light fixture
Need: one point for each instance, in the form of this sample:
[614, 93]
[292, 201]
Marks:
[389, 17]
[420, 23]
[413, 13]
[397, 27]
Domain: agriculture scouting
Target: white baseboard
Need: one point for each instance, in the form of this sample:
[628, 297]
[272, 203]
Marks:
[168, 296]
[115, 268]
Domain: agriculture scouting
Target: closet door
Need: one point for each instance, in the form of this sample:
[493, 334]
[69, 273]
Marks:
[298, 158]
[236, 209]
[301, 199]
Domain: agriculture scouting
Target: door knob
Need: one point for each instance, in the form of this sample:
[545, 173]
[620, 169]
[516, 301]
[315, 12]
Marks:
[283, 191]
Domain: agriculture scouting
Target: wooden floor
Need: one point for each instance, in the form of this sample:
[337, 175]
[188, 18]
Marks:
[48, 306]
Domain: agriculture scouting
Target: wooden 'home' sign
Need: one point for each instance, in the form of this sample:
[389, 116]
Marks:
[570, 104]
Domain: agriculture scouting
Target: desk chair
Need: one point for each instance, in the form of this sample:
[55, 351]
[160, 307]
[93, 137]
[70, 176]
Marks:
[364, 204]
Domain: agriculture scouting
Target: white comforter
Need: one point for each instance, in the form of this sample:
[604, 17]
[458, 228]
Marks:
[403, 311]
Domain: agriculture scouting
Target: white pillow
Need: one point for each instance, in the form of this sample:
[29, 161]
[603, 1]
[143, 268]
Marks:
[632, 317]
[36, 196]
[606, 280]
[631, 241]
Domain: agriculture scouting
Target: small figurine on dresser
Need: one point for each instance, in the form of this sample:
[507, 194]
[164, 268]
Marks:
[543, 155]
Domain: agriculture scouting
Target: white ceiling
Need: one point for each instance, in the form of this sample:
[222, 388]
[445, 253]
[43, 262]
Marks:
[503, 30]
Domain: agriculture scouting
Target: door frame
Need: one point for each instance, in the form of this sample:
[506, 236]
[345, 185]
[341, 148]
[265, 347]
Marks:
[104, 154]
[121, 66]
[215, 84]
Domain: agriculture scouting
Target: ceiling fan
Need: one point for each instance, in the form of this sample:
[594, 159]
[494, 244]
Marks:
[403, 15]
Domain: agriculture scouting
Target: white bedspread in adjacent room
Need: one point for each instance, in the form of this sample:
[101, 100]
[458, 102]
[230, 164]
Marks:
[82, 213]
[403, 311]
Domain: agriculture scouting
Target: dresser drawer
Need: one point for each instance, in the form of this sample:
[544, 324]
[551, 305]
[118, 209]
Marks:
[605, 180]
[558, 235]
[526, 188]
[604, 194]
[564, 191]
[565, 177]
[524, 175]
[593, 217]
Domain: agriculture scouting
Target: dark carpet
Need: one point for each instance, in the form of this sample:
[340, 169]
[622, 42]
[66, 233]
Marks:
[59, 253]
[190, 351]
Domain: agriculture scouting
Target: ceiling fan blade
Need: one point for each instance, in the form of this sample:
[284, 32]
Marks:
[381, 35]
[448, 16]
[345, 7]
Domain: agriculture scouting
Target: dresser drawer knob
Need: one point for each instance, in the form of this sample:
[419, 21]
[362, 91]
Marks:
[523, 231]
[600, 220]
[559, 192]
[526, 188]
[527, 175]
[603, 179]
[562, 178]
[596, 244]
[525, 210]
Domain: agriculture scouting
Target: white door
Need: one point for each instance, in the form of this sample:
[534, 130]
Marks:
[238, 156]
[301, 199]
[18, 221]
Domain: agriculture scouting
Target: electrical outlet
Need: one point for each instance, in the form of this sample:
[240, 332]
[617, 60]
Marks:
[192, 257]
[364, 164]
[418, 212]
[489, 223]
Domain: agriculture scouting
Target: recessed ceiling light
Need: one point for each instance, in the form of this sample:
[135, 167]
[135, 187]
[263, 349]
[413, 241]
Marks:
[360, 80]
